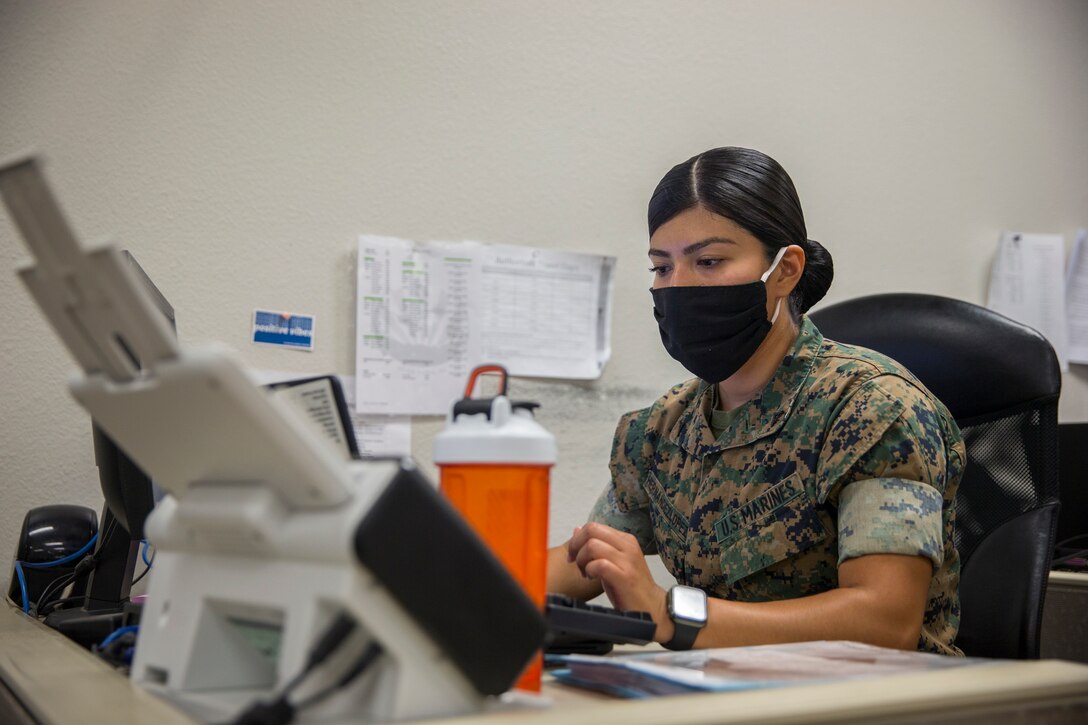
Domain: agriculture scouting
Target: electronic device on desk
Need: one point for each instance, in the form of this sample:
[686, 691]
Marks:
[321, 399]
[129, 495]
[283, 571]
[52, 543]
[1071, 536]
[100, 581]
[577, 627]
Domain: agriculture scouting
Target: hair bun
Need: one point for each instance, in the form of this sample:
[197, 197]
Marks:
[816, 279]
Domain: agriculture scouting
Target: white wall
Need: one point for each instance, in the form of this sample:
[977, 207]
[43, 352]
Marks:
[239, 148]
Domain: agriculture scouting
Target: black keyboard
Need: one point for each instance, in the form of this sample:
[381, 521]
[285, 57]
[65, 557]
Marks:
[577, 627]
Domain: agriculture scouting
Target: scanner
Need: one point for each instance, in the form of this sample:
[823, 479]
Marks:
[267, 534]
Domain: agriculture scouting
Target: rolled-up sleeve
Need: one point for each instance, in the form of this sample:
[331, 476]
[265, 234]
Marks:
[890, 494]
[623, 504]
[890, 516]
[635, 522]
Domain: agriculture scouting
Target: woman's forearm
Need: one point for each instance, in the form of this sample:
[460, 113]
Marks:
[880, 600]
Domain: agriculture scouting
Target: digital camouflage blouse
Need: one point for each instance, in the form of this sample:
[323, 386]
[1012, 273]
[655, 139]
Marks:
[844, 453]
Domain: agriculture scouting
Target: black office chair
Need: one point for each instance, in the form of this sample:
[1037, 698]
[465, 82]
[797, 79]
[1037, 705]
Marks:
[1000, 380]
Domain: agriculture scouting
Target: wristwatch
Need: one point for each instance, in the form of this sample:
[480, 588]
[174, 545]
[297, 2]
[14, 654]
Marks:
[687, 608]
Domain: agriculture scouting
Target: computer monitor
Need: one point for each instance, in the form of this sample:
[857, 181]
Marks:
[128, 491]
[129, 497]
[1071, 538]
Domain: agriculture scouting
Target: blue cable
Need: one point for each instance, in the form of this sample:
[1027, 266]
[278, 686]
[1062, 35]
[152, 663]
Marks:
[65, 560]
[117, 633]
[143, 553]
[22, 586]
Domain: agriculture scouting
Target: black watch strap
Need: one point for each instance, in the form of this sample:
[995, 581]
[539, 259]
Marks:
[683, 637]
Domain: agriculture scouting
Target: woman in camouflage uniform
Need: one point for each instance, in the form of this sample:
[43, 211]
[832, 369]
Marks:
[805, 485]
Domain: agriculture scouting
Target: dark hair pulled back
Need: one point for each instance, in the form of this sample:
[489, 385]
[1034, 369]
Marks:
[753, 190]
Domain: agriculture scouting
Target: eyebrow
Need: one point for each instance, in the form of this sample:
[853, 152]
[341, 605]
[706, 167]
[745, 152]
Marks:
[692, 248]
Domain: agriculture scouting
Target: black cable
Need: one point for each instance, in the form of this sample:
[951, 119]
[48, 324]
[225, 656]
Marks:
[61, 603]
[142, 575]
[57, 586]
[1069, 557]
[1070, 540]
[118, 651]
[82, 569]
[61, 580]
[360, 666]
[280, 711]
[330, 641]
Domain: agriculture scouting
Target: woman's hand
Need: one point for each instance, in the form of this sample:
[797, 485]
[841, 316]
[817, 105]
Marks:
[615, 559]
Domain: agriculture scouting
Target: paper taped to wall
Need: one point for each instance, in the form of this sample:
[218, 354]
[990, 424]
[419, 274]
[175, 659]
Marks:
[428, 312]
[1076, 298]
[378, 435]
[1027, 284]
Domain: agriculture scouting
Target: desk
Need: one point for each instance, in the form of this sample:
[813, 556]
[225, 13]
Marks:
[1065, 617]
[56, 681]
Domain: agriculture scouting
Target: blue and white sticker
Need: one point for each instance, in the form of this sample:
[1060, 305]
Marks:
[283, 328]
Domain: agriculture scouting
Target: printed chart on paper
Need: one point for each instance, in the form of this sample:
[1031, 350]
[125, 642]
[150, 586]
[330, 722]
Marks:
[428, 312]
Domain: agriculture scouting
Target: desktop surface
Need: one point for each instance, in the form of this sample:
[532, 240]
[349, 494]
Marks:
[53, 680]
[1065, 628]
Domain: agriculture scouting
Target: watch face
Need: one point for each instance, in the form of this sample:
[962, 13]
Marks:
[689, 603]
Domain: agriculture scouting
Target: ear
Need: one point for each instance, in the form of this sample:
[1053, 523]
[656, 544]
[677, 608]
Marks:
[788, 272]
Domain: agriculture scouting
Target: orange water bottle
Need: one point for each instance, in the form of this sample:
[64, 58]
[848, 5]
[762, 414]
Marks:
[495, 461]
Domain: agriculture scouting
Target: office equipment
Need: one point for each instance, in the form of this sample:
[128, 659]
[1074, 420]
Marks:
[52, 541]
[129, 496]
[495, 464]
[1072, 534]
[321, 399]
[268, 535]
[1001, 381]
[575, 626]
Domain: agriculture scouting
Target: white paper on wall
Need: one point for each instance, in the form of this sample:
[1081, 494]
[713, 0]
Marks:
[1027, 284]
[428, 312]
[1076, 298]
[378, 435]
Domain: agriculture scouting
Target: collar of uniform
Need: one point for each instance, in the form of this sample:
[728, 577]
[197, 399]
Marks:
[760, 417]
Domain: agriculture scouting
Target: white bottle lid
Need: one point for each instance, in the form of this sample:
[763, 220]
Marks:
[509, 436]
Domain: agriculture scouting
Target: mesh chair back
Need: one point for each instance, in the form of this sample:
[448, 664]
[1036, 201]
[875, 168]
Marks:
[1012, 467]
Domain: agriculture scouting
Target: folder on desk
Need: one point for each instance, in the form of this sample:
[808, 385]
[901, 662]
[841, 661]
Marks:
[745, 668]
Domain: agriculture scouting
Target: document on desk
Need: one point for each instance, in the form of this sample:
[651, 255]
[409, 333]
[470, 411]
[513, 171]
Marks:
[428, 312]
[745, 668]
[1076, 298]
[1027, 284]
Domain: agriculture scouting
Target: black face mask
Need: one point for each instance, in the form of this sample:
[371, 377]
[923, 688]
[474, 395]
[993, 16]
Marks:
[713, 331]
